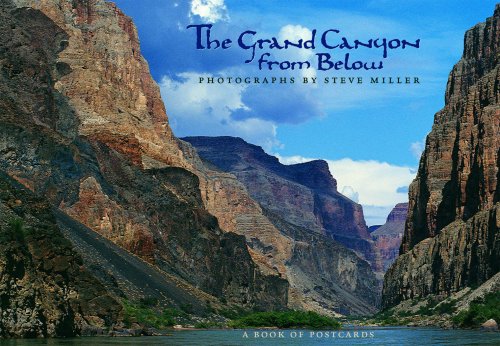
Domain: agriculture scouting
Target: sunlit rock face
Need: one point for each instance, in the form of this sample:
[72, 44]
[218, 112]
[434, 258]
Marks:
[451, 238]
[83, 123]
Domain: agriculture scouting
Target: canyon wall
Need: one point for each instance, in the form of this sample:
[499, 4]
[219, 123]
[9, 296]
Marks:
[83, 124]
[451, 239]
[302, 201]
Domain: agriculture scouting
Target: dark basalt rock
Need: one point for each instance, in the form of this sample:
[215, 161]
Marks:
[44, 289]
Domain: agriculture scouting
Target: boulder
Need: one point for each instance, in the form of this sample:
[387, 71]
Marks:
[491, 325]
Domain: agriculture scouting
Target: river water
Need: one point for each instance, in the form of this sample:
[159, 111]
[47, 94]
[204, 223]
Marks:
[369, 336]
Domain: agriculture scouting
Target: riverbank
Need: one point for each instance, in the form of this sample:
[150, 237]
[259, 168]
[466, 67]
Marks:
[459, 311]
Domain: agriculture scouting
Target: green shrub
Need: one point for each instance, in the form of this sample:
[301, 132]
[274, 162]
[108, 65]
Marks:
[187, 308]
[404, 313]
[285, 319]
[208, 325]
[446, 308]
[386, 317]
[148, 317]
[15, 232]
[425, 310]
[148, 302]
[234, 312]
[479, 311]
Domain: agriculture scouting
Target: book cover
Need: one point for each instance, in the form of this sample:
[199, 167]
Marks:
[229, 172]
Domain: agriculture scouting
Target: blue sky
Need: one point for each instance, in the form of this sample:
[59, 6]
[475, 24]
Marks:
[371, 135]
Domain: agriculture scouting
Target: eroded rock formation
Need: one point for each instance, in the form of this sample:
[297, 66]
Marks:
[304, 194]
[44, 289]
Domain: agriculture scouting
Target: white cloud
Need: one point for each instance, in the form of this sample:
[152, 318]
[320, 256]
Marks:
[349, 192]
[375, 183]
[417, 148]
[210, 10]
[197, 109]
[294, 33]
[376, 215]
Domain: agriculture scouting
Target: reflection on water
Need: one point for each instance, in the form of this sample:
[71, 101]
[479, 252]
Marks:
[371, 336]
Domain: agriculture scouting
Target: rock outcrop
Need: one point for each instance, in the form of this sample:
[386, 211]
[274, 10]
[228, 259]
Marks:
[388, 237]
[303, 203]
[44, 289]
[451, 238]
[83, 123]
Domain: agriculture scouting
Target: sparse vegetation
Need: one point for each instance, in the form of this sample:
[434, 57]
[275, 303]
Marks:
[234, 312]
[386, 318]
[427, 309]
[187, 308]
[446, 307]
[148, 302]
[15, 232]
[430, 307]
[148, 316]
[209, 325]
[479, 311]
[286, 319]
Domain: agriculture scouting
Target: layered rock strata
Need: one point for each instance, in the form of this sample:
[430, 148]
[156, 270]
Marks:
[303, 194]
[451, 238]
[303, 203]
[82, 123]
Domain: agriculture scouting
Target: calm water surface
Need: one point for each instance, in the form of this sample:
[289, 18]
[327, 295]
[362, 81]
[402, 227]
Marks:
[381, 336]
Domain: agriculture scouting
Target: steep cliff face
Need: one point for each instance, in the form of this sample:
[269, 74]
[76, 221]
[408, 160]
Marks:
[303, 203]
[451, 238]
[458, 173]
[303, 194]
[113, 100]
[44, 289]
[388, 237]
[82, 123]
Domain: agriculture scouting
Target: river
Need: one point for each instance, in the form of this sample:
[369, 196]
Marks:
[368, 336]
